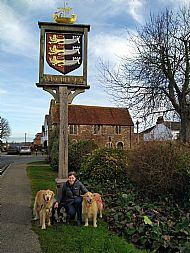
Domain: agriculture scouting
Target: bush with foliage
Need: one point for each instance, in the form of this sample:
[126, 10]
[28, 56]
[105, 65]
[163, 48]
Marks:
[160, 227]
[77, 152]
[53, 148]
[160, 224]
[105, 165]
[159, 169]
[54, 155]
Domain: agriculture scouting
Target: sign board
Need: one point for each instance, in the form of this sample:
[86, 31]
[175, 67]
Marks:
[64, 48]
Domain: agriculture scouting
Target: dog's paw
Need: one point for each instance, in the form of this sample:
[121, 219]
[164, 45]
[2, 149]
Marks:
[58, 220]
[64, 219]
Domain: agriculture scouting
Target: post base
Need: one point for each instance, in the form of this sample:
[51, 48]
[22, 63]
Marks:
[59, 183]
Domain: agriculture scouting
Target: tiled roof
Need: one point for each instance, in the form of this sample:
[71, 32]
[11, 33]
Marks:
[148, 130]
[173, 125]
[94, 115]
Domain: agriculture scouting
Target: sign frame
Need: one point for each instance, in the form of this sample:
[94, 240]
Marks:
[79, 81]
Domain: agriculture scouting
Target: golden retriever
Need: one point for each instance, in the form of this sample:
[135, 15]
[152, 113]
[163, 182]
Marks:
[91, 205]
[43, 207]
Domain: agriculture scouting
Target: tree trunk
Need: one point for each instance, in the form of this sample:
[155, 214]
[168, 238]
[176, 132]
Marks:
[185, 127]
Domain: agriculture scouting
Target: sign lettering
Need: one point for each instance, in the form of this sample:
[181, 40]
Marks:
[56, 79]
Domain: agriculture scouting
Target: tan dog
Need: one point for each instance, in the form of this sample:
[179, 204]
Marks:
[91, 205]
[98, 199]
[43, 207]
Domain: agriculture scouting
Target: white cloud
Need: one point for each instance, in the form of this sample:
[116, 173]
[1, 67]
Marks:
[176, 2]
[2, 92]
[110, 47]
[17, 37]
[135, 9]
[132, 7]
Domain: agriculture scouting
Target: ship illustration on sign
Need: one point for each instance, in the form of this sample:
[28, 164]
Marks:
[64, 16]
[64, 51]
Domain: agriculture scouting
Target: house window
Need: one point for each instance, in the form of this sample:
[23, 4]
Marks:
[73, 129]
[109, 145]
[120, 145]
[118, 129]
[96, 129]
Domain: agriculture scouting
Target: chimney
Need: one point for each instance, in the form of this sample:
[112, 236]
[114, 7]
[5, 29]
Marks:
[160, 120]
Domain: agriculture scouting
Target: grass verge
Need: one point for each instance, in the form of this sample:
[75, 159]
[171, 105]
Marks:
[70, 238]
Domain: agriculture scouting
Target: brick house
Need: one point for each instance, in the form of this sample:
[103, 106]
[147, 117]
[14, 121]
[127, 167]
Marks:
[37, 143]
[107, 126]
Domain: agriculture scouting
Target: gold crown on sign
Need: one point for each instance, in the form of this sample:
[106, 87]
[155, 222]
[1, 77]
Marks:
[65, 15]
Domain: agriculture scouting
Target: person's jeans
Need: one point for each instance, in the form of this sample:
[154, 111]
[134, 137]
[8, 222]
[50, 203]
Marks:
[72, 209]
[75, 208]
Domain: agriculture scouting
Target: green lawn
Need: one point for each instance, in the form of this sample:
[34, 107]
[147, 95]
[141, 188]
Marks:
[66, 238]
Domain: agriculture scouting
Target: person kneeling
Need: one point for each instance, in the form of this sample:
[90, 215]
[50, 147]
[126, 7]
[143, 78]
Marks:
[71, 198]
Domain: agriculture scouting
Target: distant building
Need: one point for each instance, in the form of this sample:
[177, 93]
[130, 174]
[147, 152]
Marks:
[107, 126]
[162, 131]
[37, 143]
[44, 136]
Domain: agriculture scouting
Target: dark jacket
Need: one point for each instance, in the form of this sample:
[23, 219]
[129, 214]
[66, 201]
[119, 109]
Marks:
[70, 192]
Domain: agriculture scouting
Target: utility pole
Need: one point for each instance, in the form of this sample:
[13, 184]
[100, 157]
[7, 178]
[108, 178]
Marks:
[25, 138]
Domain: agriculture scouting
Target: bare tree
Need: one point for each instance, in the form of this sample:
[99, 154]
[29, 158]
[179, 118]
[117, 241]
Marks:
[5, 130]
[156, 77]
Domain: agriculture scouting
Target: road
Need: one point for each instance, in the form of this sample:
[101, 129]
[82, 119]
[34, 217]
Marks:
[17, 235]
[6, 160]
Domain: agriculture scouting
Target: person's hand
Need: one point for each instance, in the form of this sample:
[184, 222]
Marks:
[56, 205]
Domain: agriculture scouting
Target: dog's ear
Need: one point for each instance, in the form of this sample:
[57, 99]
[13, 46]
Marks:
[96, 194]
[83, 195]
[43, 196]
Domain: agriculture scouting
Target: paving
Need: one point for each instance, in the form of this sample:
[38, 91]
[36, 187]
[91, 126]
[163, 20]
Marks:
[16, 212]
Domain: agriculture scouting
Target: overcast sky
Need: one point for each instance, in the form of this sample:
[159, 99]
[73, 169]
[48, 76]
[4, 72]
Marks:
[21, 102]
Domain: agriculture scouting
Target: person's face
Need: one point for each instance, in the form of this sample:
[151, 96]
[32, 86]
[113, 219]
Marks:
[71, 179]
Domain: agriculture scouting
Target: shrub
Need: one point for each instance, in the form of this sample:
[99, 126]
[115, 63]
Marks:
[53, 148]
[78, 151]
[54, 155]
[159, 169]
[104, 165]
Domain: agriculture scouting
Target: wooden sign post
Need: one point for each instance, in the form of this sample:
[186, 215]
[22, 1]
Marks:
[65, 48]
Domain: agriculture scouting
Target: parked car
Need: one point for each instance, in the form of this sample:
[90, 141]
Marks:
[11, 150]
[25, 150]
